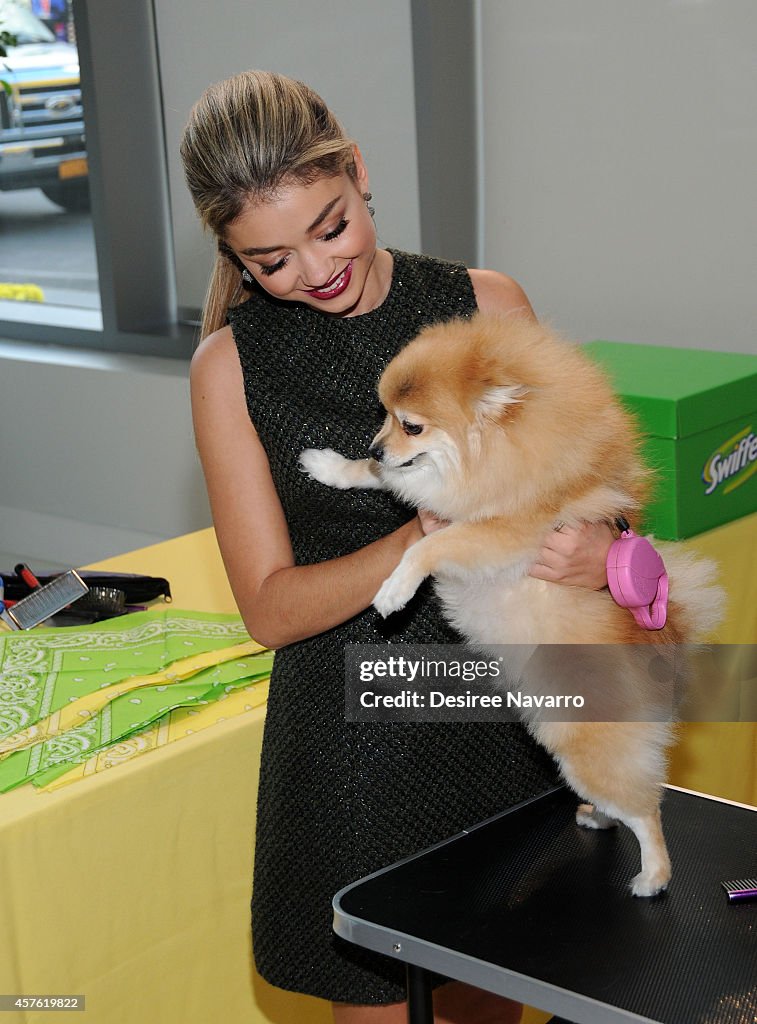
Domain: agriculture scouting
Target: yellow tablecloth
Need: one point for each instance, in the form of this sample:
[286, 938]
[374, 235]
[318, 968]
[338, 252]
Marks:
[132, 887]
[721, 757]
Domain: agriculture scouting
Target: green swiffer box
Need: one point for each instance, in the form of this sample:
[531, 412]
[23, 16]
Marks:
[698, 410]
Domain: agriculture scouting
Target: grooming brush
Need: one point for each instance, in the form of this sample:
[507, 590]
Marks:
[46, 601]
[741, 889]
[107, 600]
[139, 589]
[97, 604]
[5, 616]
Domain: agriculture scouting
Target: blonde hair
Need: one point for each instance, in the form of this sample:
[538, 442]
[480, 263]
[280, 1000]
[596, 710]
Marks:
[246, 137]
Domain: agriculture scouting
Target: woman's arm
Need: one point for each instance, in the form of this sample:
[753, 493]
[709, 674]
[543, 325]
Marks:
[574, 556]
[279, 602]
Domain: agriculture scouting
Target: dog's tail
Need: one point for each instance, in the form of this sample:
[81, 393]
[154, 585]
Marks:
[694, 588]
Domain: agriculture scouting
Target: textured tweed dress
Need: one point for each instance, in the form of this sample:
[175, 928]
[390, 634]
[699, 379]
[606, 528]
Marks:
[338, 800]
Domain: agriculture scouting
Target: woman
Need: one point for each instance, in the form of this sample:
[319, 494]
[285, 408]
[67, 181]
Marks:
[315, 311]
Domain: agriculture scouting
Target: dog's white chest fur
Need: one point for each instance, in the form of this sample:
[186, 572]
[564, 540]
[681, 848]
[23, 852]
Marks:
[508, 607]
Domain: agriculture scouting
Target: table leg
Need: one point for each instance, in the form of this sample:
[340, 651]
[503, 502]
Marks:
[420, 1007]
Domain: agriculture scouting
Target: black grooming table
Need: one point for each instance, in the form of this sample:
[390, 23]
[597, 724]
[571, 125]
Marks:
[531, 906]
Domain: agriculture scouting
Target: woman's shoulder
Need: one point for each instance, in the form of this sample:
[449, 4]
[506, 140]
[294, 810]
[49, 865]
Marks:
[494, 292]
[216, 354]
[497, 293]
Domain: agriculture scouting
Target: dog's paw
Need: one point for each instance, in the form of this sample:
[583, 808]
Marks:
[587, 816]
[396, 591]
[326, 466]
[650, 883]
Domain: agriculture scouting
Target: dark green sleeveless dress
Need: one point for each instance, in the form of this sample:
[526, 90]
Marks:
[339, 800]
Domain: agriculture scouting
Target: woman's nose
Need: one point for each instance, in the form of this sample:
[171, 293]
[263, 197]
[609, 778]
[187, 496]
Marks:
[316, 270]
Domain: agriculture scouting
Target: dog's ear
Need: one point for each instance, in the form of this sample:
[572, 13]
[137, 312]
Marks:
[495, 398]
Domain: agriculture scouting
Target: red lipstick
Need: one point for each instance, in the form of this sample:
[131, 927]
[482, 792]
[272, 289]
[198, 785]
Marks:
[335, 286]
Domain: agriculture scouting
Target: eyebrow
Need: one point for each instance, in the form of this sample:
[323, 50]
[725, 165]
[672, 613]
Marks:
[316, 223]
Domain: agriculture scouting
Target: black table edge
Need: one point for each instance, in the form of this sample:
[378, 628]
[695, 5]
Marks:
[431, 957]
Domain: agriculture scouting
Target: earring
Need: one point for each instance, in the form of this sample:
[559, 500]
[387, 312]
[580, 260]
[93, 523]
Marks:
[247, 277]
[368, 196]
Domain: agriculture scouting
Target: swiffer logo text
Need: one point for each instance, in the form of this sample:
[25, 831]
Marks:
[732, 463]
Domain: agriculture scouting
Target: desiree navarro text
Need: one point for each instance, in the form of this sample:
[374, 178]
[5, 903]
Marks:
[437, 699]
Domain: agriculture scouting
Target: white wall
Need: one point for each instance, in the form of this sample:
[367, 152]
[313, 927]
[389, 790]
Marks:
[357, 54]
[620, 156]
[96, 452]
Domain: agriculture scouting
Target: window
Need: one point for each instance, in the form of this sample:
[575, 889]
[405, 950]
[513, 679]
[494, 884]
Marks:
[109, 278]
[48, 250]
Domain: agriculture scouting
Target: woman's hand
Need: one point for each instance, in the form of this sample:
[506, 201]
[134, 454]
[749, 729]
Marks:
[575, 556]
[429, 523]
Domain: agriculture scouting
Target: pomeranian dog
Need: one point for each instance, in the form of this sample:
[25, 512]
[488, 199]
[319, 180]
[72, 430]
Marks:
[507, 431]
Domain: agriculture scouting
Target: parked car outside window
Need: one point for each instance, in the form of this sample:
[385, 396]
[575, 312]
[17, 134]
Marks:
[41, 120]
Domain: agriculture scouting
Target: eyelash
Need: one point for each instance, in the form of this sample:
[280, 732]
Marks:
[331, 235]
[276, 266]
[328, 237]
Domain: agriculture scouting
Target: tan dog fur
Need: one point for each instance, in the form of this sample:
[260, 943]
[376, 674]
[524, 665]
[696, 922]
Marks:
[507, 431]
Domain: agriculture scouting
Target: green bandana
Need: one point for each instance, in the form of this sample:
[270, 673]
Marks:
[66, 694]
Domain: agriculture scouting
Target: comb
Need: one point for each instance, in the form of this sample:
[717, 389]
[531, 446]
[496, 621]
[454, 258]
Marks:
[46, 601]
[741, 889]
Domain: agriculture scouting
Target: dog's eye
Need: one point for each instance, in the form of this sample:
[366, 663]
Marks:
[412, 428]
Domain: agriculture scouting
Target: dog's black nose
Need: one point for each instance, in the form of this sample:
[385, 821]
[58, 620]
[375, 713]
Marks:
[376, 452]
